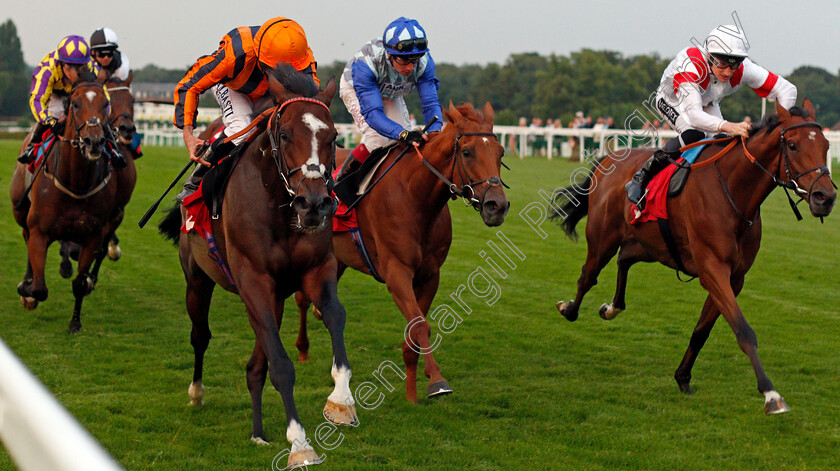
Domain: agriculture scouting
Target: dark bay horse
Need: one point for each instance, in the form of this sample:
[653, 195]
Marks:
[715, 221]
[73, 198]
[274, 233]
[121, 121]
[407, 228]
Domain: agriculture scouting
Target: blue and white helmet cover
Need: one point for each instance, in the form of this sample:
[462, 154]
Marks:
[403, 29]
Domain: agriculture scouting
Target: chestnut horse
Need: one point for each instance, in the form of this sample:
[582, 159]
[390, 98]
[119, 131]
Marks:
[121, 121]
[715, 221]
[274, 234]
[407, 228]
[73, 198]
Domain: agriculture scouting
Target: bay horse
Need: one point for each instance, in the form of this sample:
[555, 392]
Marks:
[407, 228]
[274, 235]
[715, 221]
[73, 197]
[121, 121]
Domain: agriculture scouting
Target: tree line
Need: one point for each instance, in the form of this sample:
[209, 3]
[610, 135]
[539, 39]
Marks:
[599, 83]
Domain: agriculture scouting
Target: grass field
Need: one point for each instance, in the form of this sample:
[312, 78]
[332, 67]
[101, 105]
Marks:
[532, 391]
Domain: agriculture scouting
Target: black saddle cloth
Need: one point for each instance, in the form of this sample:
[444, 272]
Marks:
[215, 181]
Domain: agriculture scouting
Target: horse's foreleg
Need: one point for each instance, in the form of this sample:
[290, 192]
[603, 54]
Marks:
[255, 375]
[425, 293]
[258, 293]
[600, 250]
[34, 285]
[715, 278]
[320, 286]
[708, 316]
[83, 284]
[303, 302]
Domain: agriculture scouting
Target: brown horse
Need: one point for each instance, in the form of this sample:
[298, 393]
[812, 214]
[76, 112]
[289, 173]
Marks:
[73, 197]
[274, 234]
[121, 121]
[715, 221]
[407, 228]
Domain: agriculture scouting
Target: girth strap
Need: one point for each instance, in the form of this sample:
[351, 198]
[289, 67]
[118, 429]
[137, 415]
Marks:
[356, 234]
[671, 245]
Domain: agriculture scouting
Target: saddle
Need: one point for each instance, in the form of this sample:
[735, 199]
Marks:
[348, 188]
[215, 181]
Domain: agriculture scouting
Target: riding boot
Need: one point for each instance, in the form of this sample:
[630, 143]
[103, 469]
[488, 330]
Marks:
[355, 160]
[217, 151]
[28, 156]
[117, 158]
[636, 187]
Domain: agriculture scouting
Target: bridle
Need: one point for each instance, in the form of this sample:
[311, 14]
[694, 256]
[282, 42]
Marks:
[308, 169]
[112, 120]
[466, 190]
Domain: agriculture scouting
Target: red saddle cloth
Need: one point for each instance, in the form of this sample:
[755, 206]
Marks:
[198, 216]
[41, 149]
[657, 197]
[344, 220]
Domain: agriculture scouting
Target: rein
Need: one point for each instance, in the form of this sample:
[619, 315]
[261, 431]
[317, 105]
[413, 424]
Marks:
[467, 190]
[784, 162]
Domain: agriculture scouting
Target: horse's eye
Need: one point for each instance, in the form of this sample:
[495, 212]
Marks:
[284, 136]
[465, 152]
[792, 146]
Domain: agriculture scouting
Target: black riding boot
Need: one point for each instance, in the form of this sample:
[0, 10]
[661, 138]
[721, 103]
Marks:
[28, 156]
[117, 158]
[350, 165]
[217, 151]
[636, 187]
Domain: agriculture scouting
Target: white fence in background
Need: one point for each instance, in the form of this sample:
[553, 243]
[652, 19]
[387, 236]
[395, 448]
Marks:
[37, 431]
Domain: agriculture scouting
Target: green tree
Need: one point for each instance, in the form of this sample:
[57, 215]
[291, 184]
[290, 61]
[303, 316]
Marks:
[14, 85]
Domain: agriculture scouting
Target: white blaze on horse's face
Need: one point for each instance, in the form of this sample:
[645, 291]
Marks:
[315, 125]
[90, 95]
[812, 135]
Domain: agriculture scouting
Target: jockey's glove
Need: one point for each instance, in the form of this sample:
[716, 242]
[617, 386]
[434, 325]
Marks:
[411, 137]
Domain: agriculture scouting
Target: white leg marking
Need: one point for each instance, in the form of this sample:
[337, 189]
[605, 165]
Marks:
[770, 396]
[297, 436]
[341, 394]
[314, 125]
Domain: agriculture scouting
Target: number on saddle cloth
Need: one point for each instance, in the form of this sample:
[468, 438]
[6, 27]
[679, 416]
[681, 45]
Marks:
[348, 187]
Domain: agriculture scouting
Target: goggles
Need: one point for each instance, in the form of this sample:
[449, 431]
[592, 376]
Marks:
[419, 44]
[723, 62]
[407, 60]
[103, 53]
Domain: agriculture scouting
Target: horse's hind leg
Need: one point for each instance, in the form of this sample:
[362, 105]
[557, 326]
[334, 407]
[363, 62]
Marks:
[628, 255]
[65, 269]
[199, 294]
[114, 250]
[600, 250]
[302, 343]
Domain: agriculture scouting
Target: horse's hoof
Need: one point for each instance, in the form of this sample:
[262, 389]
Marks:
[197, 395]
[304, 457]
[317, 313]
[65, 269]
[441, 388]
[341, 414]
[565, 309]
[776, 405]
[259, 441]
[303, 356]
[114, 251]
[608, 312]
[29, 303]
[21, 288]
[75, 326]
[685, 388]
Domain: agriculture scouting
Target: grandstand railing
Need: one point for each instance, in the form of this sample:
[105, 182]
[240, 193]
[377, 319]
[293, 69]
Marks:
[37, 431]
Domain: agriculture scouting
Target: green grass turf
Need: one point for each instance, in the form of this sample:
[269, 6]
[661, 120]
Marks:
[532, 391]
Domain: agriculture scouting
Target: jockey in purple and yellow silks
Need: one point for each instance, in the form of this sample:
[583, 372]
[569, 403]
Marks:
[376, 80]
[691, 90]
[53, 80]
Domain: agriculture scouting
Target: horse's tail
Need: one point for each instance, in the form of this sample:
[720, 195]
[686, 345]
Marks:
[170, 225]
[575, 206]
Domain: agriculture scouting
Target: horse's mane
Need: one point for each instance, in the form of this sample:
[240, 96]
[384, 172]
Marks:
[771, 122]
[294, 81]
[85, 75]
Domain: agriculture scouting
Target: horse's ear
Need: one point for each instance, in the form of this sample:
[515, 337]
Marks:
[326, 95]
[453, 114]
[782, 112]
[278, 91]
[488, 113]
[127, 81]
[809, 107]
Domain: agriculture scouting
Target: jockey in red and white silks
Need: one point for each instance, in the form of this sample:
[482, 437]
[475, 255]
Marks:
[694, 92]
